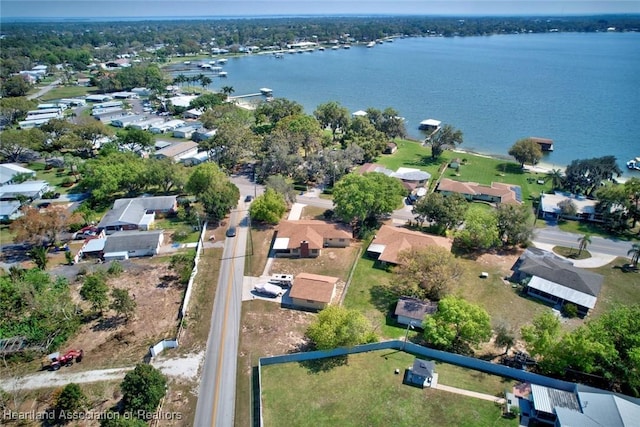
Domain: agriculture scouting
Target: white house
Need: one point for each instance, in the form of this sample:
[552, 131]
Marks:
[10, 170]
[178, 151]
[129, 244]
[185, 132]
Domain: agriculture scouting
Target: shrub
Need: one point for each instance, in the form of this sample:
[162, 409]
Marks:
[570, 310]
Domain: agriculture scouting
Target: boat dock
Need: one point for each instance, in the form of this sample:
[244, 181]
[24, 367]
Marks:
[545, 143]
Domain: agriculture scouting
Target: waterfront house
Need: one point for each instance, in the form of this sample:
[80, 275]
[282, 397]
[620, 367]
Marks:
[550, 207]
[497, 192]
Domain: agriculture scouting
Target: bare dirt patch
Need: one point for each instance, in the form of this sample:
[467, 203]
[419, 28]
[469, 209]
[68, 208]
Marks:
[335, 262]
[108, 341]
[500, 260]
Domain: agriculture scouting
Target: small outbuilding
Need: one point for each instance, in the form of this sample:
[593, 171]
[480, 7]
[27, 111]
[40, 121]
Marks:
[422, 373]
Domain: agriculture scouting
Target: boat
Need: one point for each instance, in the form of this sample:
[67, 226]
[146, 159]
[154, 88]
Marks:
[634, 164]
[347, 46]
[335, 47]
[431, 125]
[371, 44]
[222, 74]
[187, 62]
[321, 48]
[279, 55]
[222, 61]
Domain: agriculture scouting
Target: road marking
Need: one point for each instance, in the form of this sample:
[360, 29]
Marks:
[222, 336]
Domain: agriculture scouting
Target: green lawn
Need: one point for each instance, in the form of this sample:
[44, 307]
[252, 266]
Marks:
[67, 92]
[619, 287]
[52, 176]
[364, 391]
[476, 168]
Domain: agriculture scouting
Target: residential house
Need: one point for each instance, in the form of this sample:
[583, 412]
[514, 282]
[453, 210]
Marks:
[585, 208]
[497, 192]
[390, 241]
[412, 311]
[422, 373]
[146, 124]
[411, 178]
[168, 126]
[306, 238]
[178, 151]
[185, 132]
[137, 214]
[98, 98]
[125, 95]
[29, 190]
[193, 113]
[9, 170]
[129, 244]
[10, 210]
[390, 148]
[556, 280]
[124, 121]
[313, 291]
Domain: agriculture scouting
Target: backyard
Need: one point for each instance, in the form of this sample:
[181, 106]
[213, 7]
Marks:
[365, 391]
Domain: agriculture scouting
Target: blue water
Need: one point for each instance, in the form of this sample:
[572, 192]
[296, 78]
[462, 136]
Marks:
[581, 90]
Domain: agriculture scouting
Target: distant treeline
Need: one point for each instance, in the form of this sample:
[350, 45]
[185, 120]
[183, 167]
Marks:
[24, 44]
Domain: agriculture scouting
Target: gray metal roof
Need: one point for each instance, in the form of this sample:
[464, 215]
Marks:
[548, 266]
[546, 399]
[8, 208]
[124, 241]
[609, 409]
[423, 368]
[560, 291]
[132, 211]
[414, 308]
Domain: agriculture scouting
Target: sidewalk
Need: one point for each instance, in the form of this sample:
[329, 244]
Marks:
[470, 393]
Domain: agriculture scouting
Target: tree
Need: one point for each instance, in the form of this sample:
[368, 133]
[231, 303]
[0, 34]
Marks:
[122, 303]
[17, 143]
[205, 81]
[42, 227]
[39, 256]
[142, 390]
[634, 252]
[480, 230]
[16, 108]
[585, 176]
[515, 226]
[303, 131]
[457, 325]
[182, 264]
[360, 197]
[337, 326]
[280, 185]
[583, 242]
[447, 136]
[276, 110]
[69, 402]
[15, 86]
[269, 207]
[426, 273]
[362, 133]
[504, 338]
[542, 335]
[333, 116]
[446, 212]
[213, 189]
[227, 91]
[207, 100]
[135, 139]
[557, 178]
[568, 208]
[95, 290]
[526, 151]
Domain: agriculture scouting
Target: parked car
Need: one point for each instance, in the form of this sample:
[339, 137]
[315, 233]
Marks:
[231, 231]
[268, 289]
[248, 199]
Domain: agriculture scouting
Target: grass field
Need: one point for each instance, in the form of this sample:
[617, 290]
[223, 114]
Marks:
[476, 168]
[67, 92]
[52, 176]
[619, 287]
[364, 391]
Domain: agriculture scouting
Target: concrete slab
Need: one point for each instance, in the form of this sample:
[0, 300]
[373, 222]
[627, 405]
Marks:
[296, 211]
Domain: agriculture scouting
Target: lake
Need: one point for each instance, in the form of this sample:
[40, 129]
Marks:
[580, 89]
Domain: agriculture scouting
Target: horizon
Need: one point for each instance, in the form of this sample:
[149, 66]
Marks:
[54, 10]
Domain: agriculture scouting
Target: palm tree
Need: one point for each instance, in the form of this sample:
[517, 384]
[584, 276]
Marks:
[180, 79]
[583, 241]
[205, 81]
[556, 177]
[635, 253]
[227, 90]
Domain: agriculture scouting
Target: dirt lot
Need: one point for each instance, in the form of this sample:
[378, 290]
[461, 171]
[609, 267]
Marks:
[109, 341]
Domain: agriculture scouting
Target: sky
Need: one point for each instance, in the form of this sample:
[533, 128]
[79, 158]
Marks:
[218, 8]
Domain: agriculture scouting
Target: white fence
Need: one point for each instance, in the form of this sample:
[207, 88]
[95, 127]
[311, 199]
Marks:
[161, 346]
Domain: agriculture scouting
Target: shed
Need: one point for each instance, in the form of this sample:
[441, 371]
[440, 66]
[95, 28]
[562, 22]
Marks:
[412, 311]
[422, 373]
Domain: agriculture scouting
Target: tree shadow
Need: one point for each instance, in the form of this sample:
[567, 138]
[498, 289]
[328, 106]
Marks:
[107, 323]
[383, 298]
[427, 160]
[510, 168]
[326, 364]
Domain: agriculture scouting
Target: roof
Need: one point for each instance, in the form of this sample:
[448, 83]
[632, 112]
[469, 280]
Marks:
[177, 149]
[430, 122]
[608, 409]
[372, 167]
[411, 174]
[549, 203]
[414, 308]
[28, 189]
[313, 287]
[8, 208]
[390, 241]
[9, 170]
[94, 245]
[132, 211]
[508, 193]
[124, 241]
[312, 231]
[423, 368]
[561, 273]
[545, 399]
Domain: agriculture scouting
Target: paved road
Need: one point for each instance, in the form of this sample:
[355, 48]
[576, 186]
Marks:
[44, 90]
[216, 398]
[609, 246]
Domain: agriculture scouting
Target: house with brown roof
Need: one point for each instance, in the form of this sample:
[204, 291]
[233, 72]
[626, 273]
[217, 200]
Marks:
[306, 238]
[313, 291]
[497, 192]
[390, 241]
